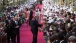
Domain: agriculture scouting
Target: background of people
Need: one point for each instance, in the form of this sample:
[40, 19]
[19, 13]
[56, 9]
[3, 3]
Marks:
[58, 24]
[11, 21]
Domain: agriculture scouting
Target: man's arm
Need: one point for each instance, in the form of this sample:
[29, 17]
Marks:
[39, 25]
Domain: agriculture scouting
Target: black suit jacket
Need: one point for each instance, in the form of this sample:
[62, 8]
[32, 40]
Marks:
[13, 27]
[8, 29]
[34, 26]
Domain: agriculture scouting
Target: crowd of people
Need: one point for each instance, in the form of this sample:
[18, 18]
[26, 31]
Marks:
[10, 23]
[59, 23]
[11, 20]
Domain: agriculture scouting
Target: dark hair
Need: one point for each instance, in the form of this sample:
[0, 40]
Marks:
[27, 9]
[60, 36]
[62, 26]
[51, 39]
[68, 21]
[68, 13]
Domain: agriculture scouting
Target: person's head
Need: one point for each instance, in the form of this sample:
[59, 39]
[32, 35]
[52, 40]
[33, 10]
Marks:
[62, 26]
[68, 29]
[36, 17]
[68, 21]
[74, 25]
[72, 39]
[51, 39]
[26, 9]
[72, 16]
[54, 32]
[56, 36]
[60, 36]
[73, 33]
[15, 18]
[68, 13]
